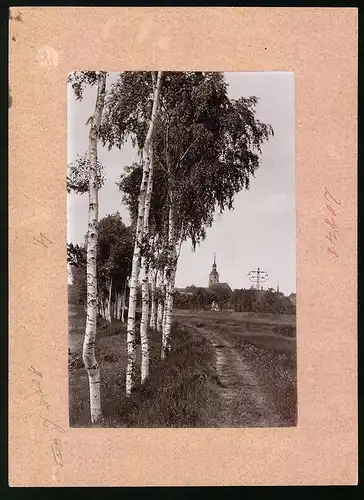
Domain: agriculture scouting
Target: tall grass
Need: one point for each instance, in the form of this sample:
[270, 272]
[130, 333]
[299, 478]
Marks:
[181, 390]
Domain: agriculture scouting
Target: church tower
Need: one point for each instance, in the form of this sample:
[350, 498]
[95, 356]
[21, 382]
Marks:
[214, 275]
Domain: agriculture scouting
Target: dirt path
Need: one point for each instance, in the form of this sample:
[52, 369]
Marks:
[246, 401]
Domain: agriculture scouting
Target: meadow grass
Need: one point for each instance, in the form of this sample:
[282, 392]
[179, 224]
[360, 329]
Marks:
[181, 391]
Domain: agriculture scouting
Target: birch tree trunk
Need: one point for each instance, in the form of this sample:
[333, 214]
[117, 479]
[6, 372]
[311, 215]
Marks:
[103, 308]
[170, 276]
[160, 315]
[115, 306]
[144, 340]
[148, 153]
[123, 305]
[165, 284]
[89, 359]
[109, 304]
[161, 300]
[118, 306]
[153, 309]
[131, 366]
[169, 309]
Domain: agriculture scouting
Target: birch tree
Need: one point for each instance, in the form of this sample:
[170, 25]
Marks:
[142, 225]
[115, 250]
[206, 148]
[78, 80]
[210, 149]
[153, 278]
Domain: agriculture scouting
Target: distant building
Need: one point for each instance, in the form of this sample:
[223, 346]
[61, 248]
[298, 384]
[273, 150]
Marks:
[221, 286]
[213, 283]
[185, 291]
[214, 275]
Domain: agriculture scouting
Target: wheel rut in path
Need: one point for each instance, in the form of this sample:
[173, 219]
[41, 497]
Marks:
[246, 401]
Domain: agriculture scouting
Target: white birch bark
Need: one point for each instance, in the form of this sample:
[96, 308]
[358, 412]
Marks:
[123, 305]
[153, 300]
[103, 308]
[170, 277]
[160, 314]
[131, 365]
[148, 154]
[160, 302]
[164, 302]
[115, 306]
[109, 303]
[165, 306]
[162, 280]
[89, 358]
[144, 340]
[118, 306]
[169, 309]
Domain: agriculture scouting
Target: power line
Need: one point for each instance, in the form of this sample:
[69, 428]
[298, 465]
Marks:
[259, 276]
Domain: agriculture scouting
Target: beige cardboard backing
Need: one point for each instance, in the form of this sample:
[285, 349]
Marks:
[320, 46]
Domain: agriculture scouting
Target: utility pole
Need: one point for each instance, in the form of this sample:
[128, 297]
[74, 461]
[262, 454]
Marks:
[259, 276]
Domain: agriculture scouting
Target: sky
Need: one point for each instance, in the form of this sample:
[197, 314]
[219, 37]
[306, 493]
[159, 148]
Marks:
[259, 232]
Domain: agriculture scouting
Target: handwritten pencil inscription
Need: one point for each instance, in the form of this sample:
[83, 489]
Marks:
[43, 239]
[333, 228]
[51, 425]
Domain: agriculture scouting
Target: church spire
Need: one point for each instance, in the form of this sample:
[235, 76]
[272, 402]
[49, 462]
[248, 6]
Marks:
[214, 275]
[278, 287]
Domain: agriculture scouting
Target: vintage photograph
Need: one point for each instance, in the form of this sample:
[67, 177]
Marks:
[181, 249]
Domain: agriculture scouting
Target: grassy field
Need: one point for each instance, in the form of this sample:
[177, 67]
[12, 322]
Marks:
[226, 317]
[268, 343]
[183, 391]
[180, 391]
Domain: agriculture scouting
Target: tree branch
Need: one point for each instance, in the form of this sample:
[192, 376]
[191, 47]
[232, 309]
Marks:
[187, 150]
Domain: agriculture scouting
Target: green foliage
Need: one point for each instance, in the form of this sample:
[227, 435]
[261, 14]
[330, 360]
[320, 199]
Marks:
[205, 146]
[115, 251]
[114, 257]
[77, 290]
[128, 108]
[76, 255]
[76, 258]
[78, 175]
[243, 300]
[129, 185]
[80, 79]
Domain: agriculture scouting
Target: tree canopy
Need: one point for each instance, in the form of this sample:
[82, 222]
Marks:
[115, 251]
[206, 146]
[77, 175]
